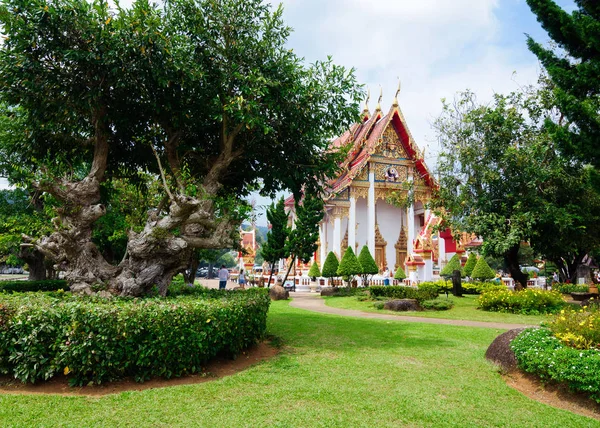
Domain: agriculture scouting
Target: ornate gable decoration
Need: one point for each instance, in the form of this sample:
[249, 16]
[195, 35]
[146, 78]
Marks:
[390, 146]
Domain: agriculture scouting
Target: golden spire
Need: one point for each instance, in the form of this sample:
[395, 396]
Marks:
[366, 109]
[395, 104]
[378, 108]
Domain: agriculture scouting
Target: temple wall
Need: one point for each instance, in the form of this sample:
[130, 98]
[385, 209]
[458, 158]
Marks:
[388, 217]
[363, 220]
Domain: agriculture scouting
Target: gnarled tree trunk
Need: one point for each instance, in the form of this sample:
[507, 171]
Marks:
[511, 258]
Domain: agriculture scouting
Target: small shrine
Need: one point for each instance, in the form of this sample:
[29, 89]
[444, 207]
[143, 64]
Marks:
[248, 248]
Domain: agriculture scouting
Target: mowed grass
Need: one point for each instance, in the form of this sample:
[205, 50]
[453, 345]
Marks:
[333, 372]
[465, 308]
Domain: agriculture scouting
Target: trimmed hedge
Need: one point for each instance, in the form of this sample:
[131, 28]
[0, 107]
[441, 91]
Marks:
[528, 301]
[400, 292]
[539, 352]
[473, 287]
[98, 340]
[22, 286]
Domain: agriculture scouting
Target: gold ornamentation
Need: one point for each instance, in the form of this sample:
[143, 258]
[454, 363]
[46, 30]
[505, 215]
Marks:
[363, 175]
[401, 248]
[340, 212]
[391, 147]
[345, 241]
[380, 249]
[390, 173]
[359, 192]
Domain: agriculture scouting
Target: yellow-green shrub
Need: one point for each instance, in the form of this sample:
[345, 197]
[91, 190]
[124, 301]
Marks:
[528, 301]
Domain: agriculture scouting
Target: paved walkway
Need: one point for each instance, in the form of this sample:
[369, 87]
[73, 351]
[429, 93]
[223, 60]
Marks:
[313, 302]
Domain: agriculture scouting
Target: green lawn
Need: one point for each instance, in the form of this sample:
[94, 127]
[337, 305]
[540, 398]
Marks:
[333, 372]
[465, 308]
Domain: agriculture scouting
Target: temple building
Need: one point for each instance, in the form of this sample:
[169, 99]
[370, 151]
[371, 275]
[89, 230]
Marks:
[379, 200]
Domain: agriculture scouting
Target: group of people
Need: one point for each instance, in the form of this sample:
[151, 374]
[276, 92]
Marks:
[224, 277]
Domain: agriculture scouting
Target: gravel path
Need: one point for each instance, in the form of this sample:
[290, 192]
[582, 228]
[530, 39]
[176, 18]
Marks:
[314, 303]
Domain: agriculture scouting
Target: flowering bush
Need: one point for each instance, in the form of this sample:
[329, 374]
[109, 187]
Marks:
[539, 352]
[578, 329]
[571, 288]
[528, 301]
[95, 340]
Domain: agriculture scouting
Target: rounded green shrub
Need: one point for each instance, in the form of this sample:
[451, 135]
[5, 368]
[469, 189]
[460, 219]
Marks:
[367, 262]
[470, 264]
[314, 270]
[330, 266]
[451, 266]
[400, 275]
[349, 266]
[538, 352]
[482, 270]
[442, 304]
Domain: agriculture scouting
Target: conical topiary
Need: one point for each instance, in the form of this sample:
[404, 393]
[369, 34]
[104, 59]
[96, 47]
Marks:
[314, 271]
[367, 263]
[470, 264]
[453, 264]
[330, 266]
[349, 266]
[400, 274]
[482, 270]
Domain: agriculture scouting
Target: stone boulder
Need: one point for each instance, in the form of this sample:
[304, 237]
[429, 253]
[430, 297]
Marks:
[402, 305]
[277, 292]
[328, 291]
[500, 353]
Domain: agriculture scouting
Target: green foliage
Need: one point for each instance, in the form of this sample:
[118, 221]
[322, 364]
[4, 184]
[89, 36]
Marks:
[438, 304]
[22, 286]
[349, 266]
[400, 274]
[314, 270]
[503, 179]
[539, 352]
[570, 288]
[452, 265]
[527, 301]
[577, 328]
[330, 266]
[97, 340]
[367, 262]
[274, 248]
[302, 242]
[572, 65]
[482, 270]
[429, 287]
[470, 264]
[401, 292]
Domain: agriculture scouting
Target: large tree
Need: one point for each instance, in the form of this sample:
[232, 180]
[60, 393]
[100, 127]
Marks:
[573, 65]
[274, 249]
[204, 94]
[502, 178]
[302, 240]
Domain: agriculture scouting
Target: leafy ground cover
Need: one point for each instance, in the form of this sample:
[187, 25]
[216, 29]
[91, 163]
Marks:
[333, 371]
[465, 308]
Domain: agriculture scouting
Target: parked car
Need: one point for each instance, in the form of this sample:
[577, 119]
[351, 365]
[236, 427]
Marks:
[203, 272]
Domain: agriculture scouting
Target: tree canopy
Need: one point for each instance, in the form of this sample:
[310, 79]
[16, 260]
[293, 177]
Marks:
[502, 178]
[470, 264]
[204, 95]
[573, 65]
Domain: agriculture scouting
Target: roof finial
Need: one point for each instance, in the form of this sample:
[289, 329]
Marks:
[397, 92]
[378, 108]
[366, 110]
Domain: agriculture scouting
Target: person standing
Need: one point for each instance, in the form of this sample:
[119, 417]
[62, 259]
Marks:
[386, 276]
[242, 279]
[223, 277]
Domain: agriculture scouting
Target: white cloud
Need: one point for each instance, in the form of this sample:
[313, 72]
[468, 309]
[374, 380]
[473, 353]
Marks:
[436, 48]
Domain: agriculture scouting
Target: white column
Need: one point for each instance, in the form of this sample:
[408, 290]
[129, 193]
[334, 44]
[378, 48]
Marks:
[411, 227]
[323, 239]
[371, 215]
[352, 224]
[337, 237]
[428, 271]
[442, 248]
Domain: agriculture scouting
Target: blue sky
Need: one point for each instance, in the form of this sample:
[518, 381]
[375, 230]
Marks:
[436, 47]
